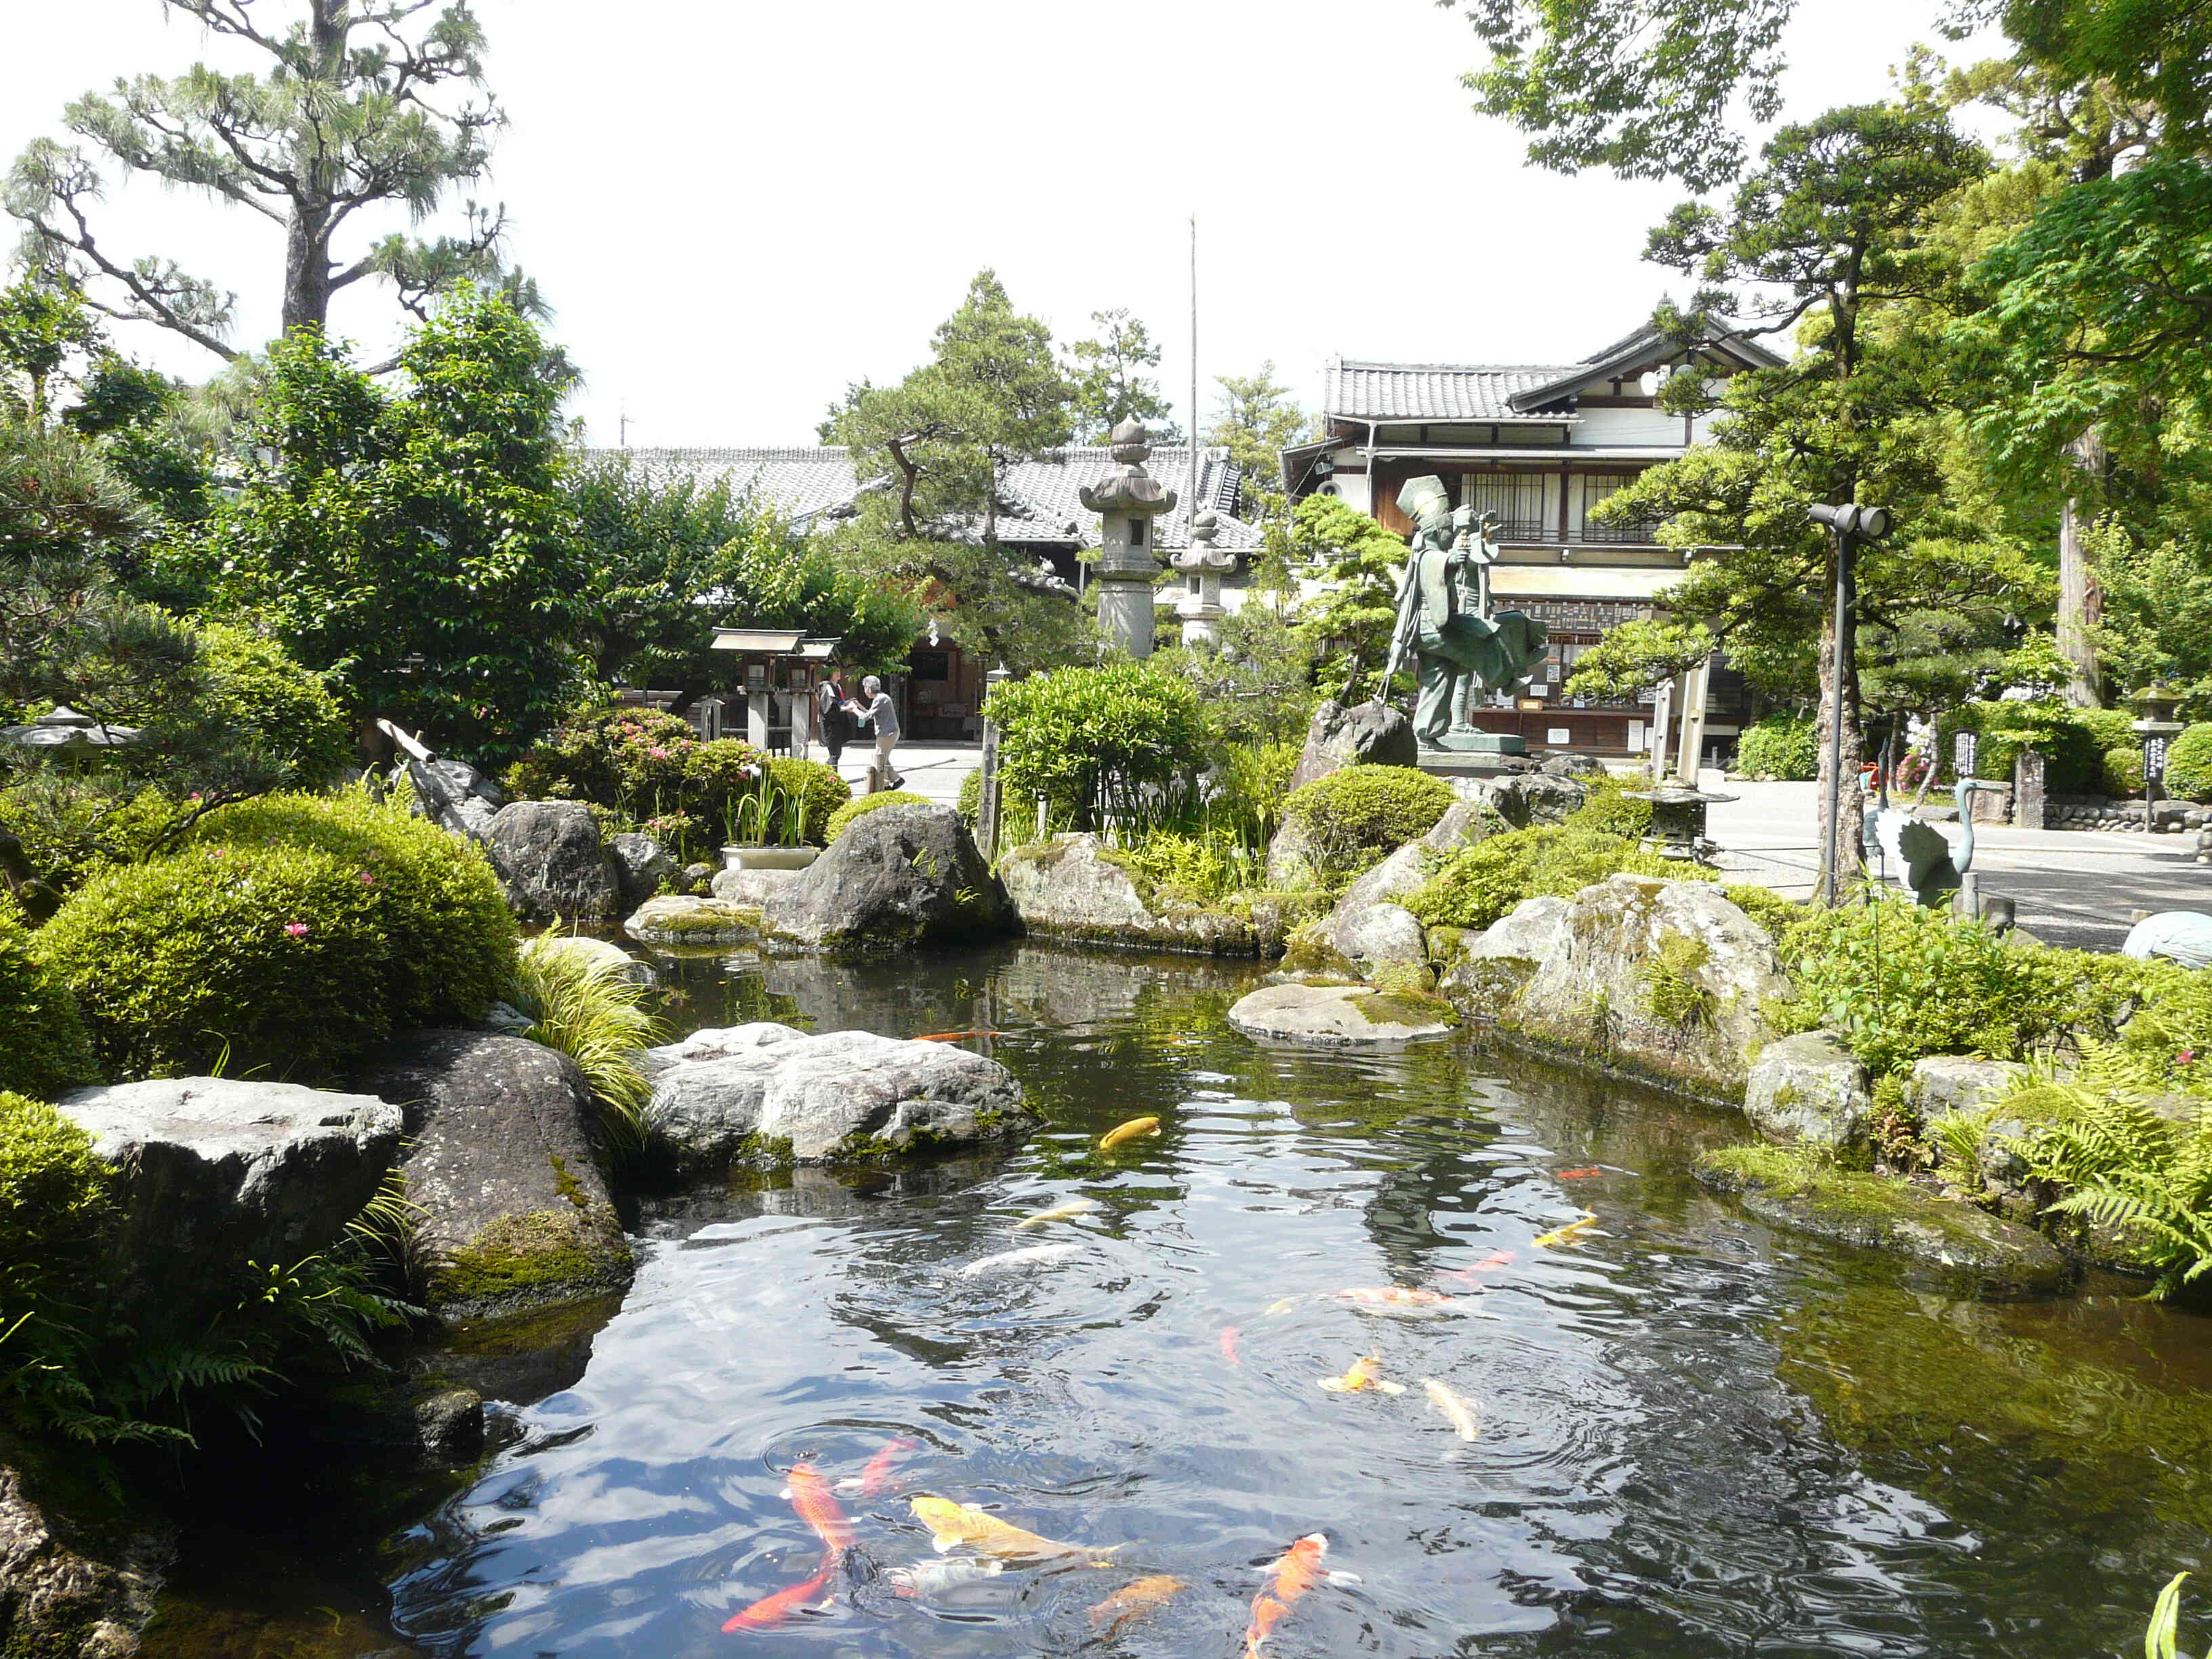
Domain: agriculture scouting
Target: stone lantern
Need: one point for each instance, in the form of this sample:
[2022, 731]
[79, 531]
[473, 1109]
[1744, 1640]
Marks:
[2155, 724]
[1678, 821]
[66, 732]
[1126, 501]
[1203, 564]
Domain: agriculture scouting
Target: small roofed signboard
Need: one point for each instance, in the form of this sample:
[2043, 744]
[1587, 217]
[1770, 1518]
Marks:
[765, 642]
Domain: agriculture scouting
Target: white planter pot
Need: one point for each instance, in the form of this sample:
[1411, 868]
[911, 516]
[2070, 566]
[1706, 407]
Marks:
[769, 858]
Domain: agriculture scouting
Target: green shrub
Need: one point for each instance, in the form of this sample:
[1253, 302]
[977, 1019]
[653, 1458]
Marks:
[2122, 776]
[2072, 747]
[1475, 886]
[1609, 811]
[286, 707]
[2112, 728]
[717, 778]
[453, 936]
[1358, 814]
[55, 1200]
[969, 807]
[1251, 780]
[619, 757]
[863, 804]
[1898, 981]
[45, 1052]
[1766, 907]
[589, 1009]
[272, 959]
[2189, 763]
[1169, 867]
[73, 824]
[1094, 740]
[818, 788]
[288, 936]
[1781, 746]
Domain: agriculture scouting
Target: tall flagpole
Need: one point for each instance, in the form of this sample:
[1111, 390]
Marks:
[1190, 489]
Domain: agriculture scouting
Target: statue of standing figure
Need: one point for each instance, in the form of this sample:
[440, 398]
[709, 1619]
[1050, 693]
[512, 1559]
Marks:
[1446, 621]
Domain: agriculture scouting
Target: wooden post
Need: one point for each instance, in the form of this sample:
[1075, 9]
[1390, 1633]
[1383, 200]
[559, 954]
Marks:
[987, 798]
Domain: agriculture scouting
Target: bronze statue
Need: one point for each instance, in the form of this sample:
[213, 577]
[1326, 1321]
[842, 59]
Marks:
[1446, 621]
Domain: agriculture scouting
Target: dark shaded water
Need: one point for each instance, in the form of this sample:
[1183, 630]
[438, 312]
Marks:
[1697, 1437]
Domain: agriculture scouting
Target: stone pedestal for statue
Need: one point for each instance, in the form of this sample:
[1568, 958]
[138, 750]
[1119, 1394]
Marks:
[1203, 565]
[1127, 502]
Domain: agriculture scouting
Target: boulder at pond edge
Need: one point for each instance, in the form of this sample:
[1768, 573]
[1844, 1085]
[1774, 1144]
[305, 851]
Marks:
[1881, 1213]
[503, 1165]
[642, 867]
[1809, 1090]
[70, 1588]
[899, 878]
[1365, 734]
[1071, 887]
[766, 1094]
[218, 1171]
[551, 861]
[673, 919]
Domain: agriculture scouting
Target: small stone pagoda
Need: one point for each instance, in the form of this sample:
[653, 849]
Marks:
[1203, 564]
[1127, 502]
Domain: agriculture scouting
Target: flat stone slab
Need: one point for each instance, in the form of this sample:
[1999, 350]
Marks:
[1881, 1213]
[1340, 1016]
[672, 920]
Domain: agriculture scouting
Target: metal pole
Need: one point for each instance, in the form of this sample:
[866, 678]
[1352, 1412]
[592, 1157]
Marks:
[1190, 487]
[1836, 721]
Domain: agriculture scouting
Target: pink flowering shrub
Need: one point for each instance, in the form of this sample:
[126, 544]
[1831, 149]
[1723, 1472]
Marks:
[649, 770]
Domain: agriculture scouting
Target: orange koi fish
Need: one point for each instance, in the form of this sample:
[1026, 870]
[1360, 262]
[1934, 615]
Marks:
[1467, 1275]
[1581, 1175]
[1366, 1372]
[1291, 1576]
[809, 1495]
[773, 1610]
[957, 1036]
[1228, 1336]
[1132, 1601]
[878, 1474]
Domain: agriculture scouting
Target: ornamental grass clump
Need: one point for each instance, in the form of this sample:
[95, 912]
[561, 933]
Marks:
[588, 1008]
[1476, 886]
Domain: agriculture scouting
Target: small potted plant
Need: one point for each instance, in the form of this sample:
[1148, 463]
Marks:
[764, 830]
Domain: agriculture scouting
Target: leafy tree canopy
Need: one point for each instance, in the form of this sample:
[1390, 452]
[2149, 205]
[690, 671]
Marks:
[1108, 381]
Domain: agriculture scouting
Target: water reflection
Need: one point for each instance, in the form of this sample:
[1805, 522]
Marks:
[1698, 1437]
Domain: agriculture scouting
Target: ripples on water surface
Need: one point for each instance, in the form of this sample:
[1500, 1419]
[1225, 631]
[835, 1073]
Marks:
[1698, 1437]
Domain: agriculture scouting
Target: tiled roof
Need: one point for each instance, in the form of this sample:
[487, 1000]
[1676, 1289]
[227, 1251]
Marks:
[1042, 507]
[1431, 391]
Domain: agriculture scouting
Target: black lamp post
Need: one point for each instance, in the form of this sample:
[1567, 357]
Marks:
[1850, 524]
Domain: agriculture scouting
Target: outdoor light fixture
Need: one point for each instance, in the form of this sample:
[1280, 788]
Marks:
[1850, 524]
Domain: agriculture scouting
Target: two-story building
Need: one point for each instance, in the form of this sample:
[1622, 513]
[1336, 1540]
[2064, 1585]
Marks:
[1540, 446]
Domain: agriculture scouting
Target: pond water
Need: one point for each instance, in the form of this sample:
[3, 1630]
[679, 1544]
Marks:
[1697, 1436]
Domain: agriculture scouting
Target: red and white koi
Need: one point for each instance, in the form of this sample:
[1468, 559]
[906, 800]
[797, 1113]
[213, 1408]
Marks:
[1289, 1578]
[1229, 1334]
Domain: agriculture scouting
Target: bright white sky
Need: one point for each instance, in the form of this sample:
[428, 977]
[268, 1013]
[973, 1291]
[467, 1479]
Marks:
[737, 207]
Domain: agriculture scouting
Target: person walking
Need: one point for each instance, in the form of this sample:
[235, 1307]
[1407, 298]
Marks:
[831, 718]
[875, 707]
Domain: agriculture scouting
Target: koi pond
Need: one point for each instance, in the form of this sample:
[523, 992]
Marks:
[1694, 1436]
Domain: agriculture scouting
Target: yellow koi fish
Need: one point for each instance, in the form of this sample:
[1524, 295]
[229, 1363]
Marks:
[1132, 1601]
[1073, 1207]
[951, 1525]
[1570, 1234]
[1456, 1411]
[1277, 1309]
[1129, 1131]
[1365, 1373]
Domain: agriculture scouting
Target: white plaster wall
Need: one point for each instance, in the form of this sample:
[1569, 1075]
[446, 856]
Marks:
[1628, 426]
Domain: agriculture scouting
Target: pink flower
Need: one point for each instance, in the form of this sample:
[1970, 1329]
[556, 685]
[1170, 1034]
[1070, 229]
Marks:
[366, 879]
[2186, 1056]
[296, 929]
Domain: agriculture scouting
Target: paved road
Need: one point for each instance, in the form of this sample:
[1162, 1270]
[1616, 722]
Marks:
[2071, 888]
[936, 770]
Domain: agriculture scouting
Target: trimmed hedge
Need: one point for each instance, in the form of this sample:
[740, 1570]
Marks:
[843, 817]
[1475, 886]
[820, 791]
[45, 1052]
[1785, 746]
[2069, 741]
[1358, 814]
[2189, 763]
[290, 936]
[2123, 773]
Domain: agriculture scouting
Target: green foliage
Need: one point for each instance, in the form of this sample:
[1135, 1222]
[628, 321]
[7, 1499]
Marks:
[1094, 739]
[1475, 886]
[1609, 811]
[1898, 981]
[1255, 420]
[2165, 1628]
[2121, 775]
[2071, 744]
[2189, 763]
[1106, 381]
[669, 558]
[588, 1008]
[289, 936]
[284, 710]
[1252, 781]
[817, 791]
[1766, 907]
[1636, 655]
[1169, 867]
[1256, 678]
[73, 824]
[56, 1199]
[415, 543]
[650, 770]
[1780, 746]
[46, 1053]
[2120, 1166]
[1361, 563]
[1672, 989]
[969, 807]
[1358, 814]
[861, 806]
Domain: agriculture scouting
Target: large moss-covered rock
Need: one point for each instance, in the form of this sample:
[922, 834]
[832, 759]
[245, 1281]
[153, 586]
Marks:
[503, 1165]
[1526, 799]
[217, 1171]
[1385, 945]
[552, 862]
[642, 868]
[78, 1575]
[673, 919]
[766, 1094]
[1809, 1089]
[1365, 734]
[1073, 887]
[1942, 1084]
[1340, 1016]
[1787, 1188]
[1663, 978]
[902, 878]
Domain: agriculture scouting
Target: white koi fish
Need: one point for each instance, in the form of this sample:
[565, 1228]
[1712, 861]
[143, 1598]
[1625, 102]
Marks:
[1067, 1211]
[1037, 1255]
[1456, 1411]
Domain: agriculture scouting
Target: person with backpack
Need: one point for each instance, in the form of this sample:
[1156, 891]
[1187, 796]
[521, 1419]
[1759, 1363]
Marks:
[832, 719]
